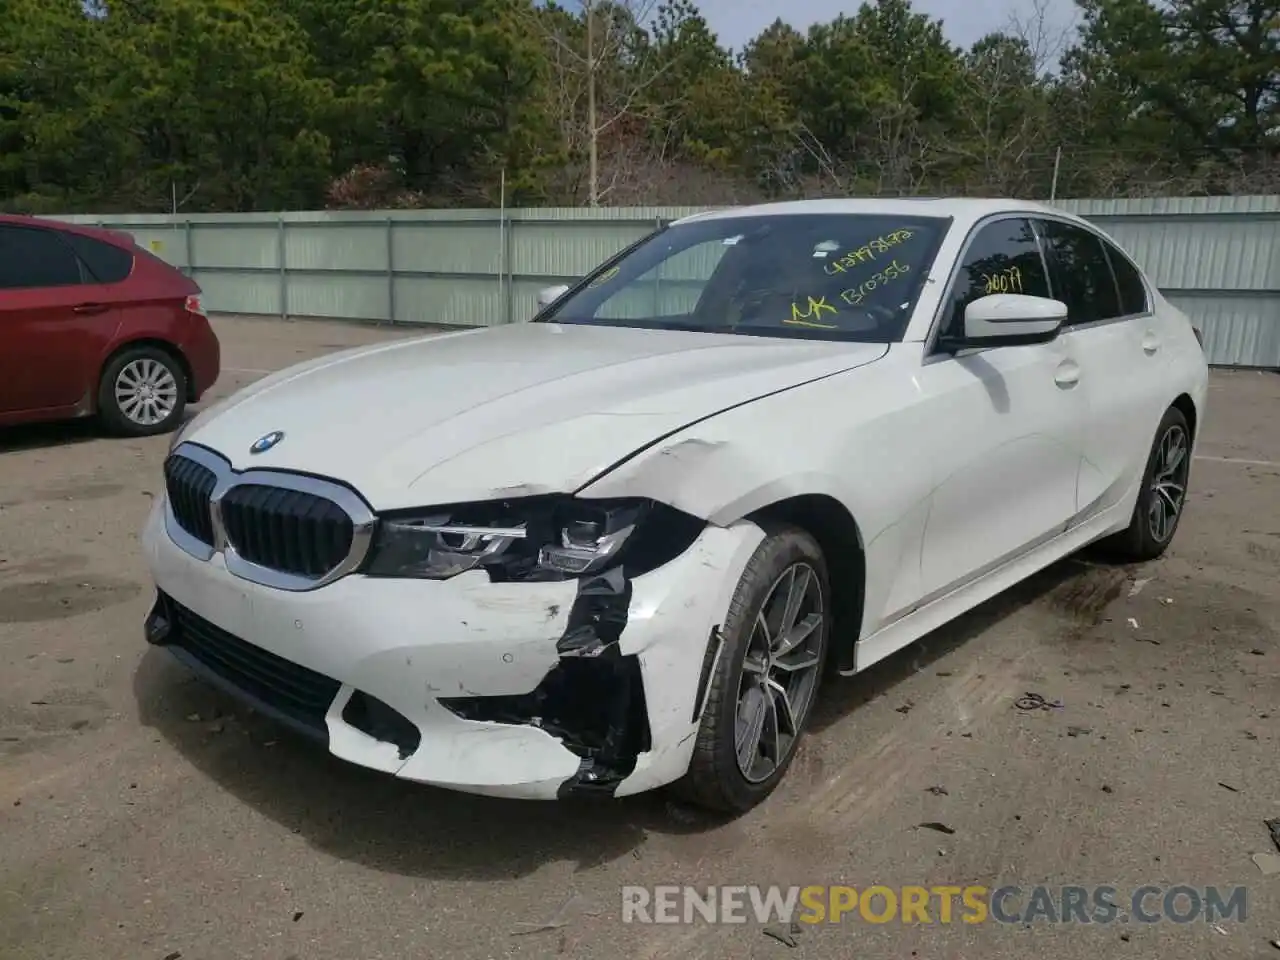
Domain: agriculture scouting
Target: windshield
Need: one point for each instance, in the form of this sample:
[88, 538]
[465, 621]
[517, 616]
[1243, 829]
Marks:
[819, 276]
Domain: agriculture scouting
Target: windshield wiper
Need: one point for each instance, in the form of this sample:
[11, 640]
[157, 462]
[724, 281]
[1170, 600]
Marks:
[640, 323]
[808, 333]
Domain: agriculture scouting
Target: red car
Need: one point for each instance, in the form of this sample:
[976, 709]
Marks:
[93, 325]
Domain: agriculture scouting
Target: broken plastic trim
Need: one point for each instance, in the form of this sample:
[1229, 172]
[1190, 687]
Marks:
[371, 716]
[715, 642]
[598, 616]
[593, 700]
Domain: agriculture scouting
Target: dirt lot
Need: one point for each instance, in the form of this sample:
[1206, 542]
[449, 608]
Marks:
[143, 817]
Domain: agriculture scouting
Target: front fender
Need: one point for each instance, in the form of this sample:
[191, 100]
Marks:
[717, 480]
[853, 438]
[723, 482]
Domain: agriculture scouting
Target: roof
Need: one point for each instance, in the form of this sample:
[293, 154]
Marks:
[961, 208]
[117, 237]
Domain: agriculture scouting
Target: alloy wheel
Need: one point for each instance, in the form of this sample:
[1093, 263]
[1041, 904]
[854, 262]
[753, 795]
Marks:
[780, 670]
[1168, 483]
[146, 392]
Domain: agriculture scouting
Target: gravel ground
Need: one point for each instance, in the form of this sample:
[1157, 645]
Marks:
[144, 816]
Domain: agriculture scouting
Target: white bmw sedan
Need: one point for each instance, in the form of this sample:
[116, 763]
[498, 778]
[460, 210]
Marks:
[616, 548]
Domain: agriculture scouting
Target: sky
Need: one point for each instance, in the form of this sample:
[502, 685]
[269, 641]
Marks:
[738, 21]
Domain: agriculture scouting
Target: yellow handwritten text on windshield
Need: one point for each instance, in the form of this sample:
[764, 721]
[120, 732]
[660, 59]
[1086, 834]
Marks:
[1008, 280]
[603, 278]
[869, 252]
[855, 295]
[807, 316]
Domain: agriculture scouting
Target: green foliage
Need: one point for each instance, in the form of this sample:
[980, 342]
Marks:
[217, 100]
[270, 104]
[48, 141]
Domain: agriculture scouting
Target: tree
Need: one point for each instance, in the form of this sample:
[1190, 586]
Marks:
[260, 104]
[1005, 125]
[50, 144]
[217, 101]
[1196, 80]
[603, 64]
[427, 87]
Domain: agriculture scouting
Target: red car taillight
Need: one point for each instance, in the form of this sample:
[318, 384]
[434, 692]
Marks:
[193, 305]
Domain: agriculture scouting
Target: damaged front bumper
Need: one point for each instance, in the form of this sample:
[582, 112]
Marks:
[533, 690]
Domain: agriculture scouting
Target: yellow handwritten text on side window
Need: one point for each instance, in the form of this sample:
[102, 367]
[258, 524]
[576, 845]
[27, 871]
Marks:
[855, 295]
[807, 316]
[868, 252]
[1008, 280]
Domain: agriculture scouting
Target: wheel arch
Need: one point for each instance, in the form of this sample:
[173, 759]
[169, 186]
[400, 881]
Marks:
[1187, 407]
[839, 537]
[166, 346]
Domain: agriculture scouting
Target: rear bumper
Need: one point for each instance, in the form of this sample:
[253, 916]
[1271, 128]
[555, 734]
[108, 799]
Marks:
[204, 356]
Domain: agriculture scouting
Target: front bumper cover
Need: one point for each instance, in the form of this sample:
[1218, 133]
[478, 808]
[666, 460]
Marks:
[535, 690]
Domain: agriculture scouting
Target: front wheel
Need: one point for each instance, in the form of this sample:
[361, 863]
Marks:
[766, 678]
[1162, 496]
[143, 392]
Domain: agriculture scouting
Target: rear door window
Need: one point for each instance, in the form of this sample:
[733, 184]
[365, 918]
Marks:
[34, 258]
[1082, 276]
[106, 262]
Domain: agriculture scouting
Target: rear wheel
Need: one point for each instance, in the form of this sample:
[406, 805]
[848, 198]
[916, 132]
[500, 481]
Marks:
[143, 392]
[1162, 495]
[764, 684]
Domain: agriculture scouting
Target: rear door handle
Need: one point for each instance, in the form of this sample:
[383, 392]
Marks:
[1067, 375]
[90, 308]
[1150, 343]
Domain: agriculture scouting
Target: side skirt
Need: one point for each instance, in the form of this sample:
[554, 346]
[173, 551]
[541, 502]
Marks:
[910, 628]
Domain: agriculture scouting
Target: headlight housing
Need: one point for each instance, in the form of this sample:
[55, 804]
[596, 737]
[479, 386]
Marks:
[539, 539]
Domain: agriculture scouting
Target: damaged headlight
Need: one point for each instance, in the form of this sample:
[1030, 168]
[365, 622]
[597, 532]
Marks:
[542, 539]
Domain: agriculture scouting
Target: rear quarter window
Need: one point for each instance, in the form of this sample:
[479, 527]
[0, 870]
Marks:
[106, 262]
[1133, 292]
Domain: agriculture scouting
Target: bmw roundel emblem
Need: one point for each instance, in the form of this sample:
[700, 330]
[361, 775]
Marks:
[263, 444]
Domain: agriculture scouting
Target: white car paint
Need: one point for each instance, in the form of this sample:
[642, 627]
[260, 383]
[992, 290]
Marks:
[517, 410]
[964, 474]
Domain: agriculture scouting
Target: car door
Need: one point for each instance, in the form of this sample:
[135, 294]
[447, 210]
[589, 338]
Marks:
[52, 321]
[1109, 330]
[1005, 423]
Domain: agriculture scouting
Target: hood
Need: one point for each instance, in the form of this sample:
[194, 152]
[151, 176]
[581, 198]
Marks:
[511, 411]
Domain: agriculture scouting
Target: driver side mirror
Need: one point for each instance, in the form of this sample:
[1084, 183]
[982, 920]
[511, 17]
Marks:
[549, 295]
[1009, 320]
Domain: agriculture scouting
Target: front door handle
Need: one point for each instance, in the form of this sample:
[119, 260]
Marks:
[1067, 375]
[1150, 343]
[90, 308]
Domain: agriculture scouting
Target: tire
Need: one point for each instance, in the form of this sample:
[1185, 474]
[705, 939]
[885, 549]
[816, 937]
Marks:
[715, 779]
[1145, 538]
[159, 392]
